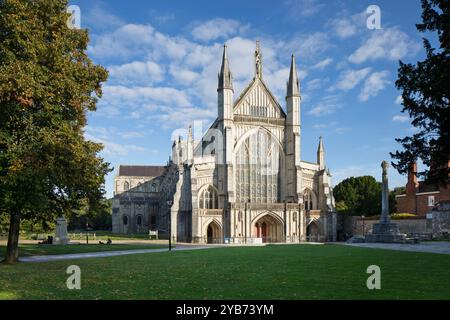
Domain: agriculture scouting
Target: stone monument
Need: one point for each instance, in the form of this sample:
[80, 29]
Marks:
[61, 235]
[385, 230]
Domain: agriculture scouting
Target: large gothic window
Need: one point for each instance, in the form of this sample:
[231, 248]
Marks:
[308, 200]
[126, 186]
[258, 166]
[208, 199]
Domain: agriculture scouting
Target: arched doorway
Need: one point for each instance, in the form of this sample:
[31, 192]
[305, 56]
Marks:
[213, 234]
[269, 228]
[312, 232]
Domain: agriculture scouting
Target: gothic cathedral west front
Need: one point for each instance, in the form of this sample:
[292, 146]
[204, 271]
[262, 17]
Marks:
[243, 182]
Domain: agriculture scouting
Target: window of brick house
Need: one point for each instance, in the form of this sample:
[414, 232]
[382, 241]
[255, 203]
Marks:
[430, 201]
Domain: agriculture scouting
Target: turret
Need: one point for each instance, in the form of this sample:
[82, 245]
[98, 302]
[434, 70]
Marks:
[293, 113]
[321, 155]
[190, 146]
[225, 89]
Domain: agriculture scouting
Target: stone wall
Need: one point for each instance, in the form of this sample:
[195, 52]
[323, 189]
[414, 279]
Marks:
[441, 219]
[359, 226]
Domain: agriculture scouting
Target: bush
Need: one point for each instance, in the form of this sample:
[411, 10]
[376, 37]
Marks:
[399, 216]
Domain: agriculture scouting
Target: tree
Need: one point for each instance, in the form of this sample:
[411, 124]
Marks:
[100, 218]
[426, 94]
[47, 86]
[358, 196]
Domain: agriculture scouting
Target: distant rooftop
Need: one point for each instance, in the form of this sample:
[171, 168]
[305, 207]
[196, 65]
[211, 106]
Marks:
[141, 171]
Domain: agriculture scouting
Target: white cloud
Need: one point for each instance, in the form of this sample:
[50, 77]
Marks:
[399, 100]
[400, 118]
[308, 46]
[390, 44]
[218, 29]
[326, 106]
[132, 135]
[128, 41]
[106, 136]
[322, 64]
[99, 17]
[316, 83]
[345, 26]
[182, 75]
[303, 8]
[137, 72]
[349, 79]
[374, 84]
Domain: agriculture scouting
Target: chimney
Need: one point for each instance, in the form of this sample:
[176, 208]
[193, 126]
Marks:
[412, 184]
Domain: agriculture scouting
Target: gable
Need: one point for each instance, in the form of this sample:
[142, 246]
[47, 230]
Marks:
[257, 101]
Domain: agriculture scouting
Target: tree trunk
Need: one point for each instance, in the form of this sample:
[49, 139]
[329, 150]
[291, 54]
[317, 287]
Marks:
[12, 249]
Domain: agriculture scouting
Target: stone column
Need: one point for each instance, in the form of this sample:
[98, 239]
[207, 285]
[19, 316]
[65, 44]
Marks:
[385, 195]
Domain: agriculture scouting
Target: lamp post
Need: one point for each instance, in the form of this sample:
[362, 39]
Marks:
[245, 221]
[284, 216]
[169, 205]
[87, 232]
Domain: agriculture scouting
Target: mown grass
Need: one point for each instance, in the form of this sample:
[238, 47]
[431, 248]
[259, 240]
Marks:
[272, 272]
[26, 250]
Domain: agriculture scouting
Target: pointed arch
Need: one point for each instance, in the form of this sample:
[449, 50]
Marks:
[309, 199]
[269, 227]
[213, 231]
[313, 231]
[208, 197]
[259, 163]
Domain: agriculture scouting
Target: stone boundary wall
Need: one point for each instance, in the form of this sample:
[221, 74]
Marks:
[359, 226]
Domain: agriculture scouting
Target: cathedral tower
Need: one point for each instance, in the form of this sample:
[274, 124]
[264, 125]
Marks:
[292, 134]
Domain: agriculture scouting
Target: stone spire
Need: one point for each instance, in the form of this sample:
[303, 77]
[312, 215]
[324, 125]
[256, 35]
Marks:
[321, 154]
[292, 85]
[258, 61]
[190, 146]
[225, 77]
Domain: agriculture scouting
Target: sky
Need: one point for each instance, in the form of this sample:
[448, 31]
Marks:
[163, 58]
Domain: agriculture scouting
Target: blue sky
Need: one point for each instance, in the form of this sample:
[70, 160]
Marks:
[163, 58]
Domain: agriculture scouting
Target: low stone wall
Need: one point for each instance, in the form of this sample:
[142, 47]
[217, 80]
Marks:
[359, 226]
[441, 219]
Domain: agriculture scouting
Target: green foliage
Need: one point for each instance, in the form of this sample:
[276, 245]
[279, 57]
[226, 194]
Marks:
[47, 86]
[358, 196]
[99, 218]
[400, 216]
[426, 96]
[4, 223]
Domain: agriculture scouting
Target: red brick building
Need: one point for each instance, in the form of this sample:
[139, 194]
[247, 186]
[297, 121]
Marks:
[420, 196]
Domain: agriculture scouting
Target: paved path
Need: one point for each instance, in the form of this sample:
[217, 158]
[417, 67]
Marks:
[429, 246]
[49, 258]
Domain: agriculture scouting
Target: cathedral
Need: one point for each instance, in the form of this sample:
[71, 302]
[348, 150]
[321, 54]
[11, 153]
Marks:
[244, 181]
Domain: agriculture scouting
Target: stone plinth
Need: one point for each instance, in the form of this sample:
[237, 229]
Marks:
[385, 230]
[61, 235]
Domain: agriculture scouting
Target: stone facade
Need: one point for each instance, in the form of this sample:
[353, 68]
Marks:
[244, 181]
[136, 198]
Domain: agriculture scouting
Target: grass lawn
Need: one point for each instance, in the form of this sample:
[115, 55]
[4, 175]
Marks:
[26, 250]
[271, 272]
[99, 235]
